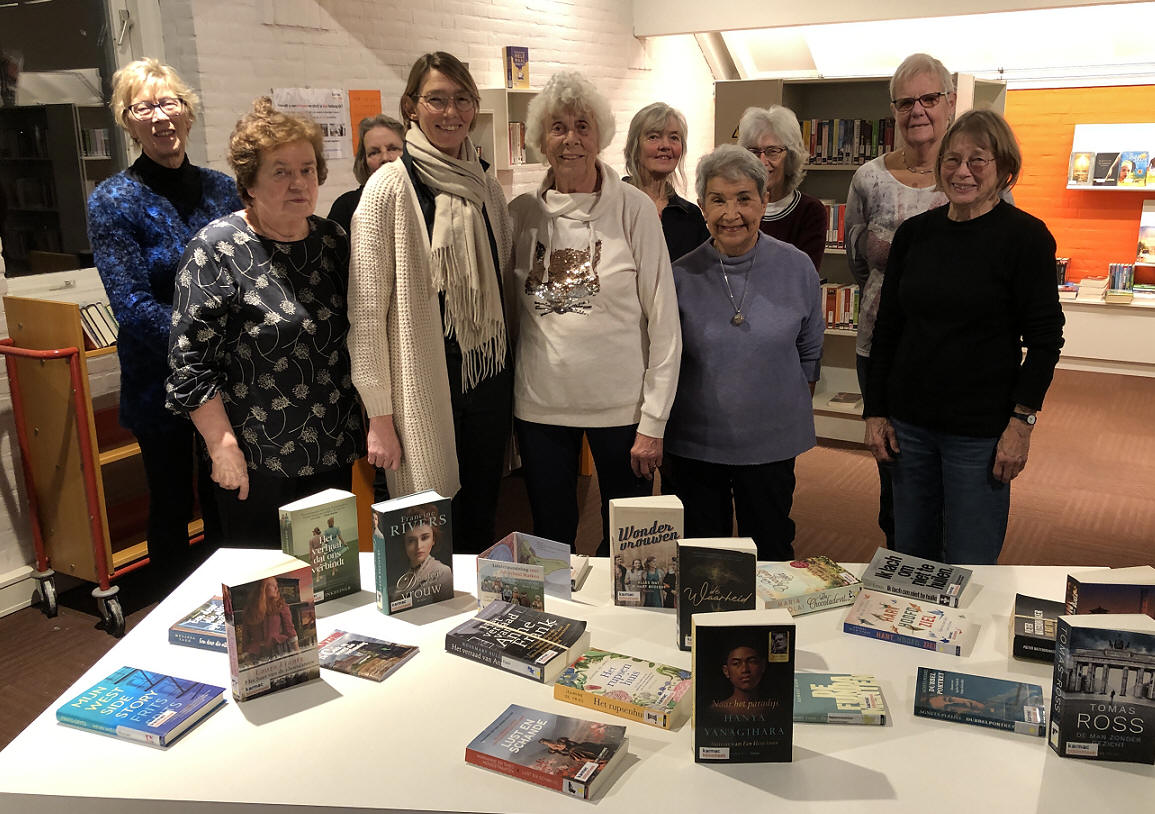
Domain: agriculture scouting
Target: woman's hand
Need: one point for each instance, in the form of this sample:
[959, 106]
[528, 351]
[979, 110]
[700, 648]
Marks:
[645, 456]
[1011, 451]
[230, 471]
[384, 445]
[881, 439]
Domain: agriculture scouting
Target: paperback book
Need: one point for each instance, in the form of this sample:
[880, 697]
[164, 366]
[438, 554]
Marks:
[998, 703]
[838, 698]
[1033, 628]
[1103, 697]
[580, 568]
[522, 569]
[1146, 248]
[271, 626]
[203, 628]
[1105, 171]
[516, 59]
[714, 574]
[645, 691]
[1079, 169]
[412, 551]
[1112, 590]
[523, 641]
[1133, 168]
[743, 686]
[139, 705]
[362, 656]
[322, 530]
[570, 755]
[644, 533]
[914, 577]
[906, 621]
[807, 585]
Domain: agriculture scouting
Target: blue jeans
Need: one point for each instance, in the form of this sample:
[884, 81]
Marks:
[938, 473]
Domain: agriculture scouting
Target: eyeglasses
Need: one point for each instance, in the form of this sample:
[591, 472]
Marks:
[976, 164]
[927, 100]
[769, 152]
[144, 110]
[462, 101]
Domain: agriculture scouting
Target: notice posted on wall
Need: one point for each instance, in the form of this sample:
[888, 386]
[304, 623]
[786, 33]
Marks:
[329, 108]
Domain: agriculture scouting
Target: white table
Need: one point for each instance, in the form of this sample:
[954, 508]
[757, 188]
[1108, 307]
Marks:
[344, 743]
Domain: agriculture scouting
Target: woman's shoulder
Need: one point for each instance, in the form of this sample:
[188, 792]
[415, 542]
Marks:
[120, 190]
[227, 229]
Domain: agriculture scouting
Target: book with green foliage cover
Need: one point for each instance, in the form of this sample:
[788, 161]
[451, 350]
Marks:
[646, 691]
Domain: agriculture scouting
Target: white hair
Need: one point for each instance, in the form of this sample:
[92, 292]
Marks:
[571, 92]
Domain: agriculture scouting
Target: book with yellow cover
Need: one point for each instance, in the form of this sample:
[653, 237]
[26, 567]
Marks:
[516, 59]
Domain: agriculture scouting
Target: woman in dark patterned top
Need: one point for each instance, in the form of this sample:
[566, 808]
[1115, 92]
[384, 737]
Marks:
[257, 347]
[139, 222]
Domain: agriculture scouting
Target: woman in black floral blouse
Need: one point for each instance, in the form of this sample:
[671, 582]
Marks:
[257, 348]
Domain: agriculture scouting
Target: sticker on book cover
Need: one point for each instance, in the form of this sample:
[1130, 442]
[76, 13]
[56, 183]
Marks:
[402, 603]
[576, 789]
[546, 657]
[713, 753]
[1082, 749]
[655, 718]
[515, 666]
[779, 647]
[1033, 714]
[588, 770]
[630, 598]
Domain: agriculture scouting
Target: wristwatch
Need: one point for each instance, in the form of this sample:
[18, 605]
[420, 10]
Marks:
[1026, 418]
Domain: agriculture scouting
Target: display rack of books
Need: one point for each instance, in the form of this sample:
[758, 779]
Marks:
[1112, 157]
[500, 136]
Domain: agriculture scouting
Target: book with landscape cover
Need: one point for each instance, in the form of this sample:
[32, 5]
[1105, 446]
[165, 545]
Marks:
[203, 628]
[271, 625]
[523, 641]
[1112, 590]
[1016, 706]
[362, 656]
[645, 691]
[802, 586]
[139, 705]
[644, 533]
[907, 621]
[412, 551]
[1103, 696]
[1033, 628]
[714, 574]
[838, 698]
[570, 755]
[914, 577]
[321, 529]
[1105, 170]
[522, 569]
[1145, 252]
[743, 686]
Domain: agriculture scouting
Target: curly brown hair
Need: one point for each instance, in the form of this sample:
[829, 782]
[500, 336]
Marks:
[265, 128]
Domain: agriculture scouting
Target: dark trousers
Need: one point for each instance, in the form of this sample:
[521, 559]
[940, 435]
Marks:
[255, 521]
[761, 495]
[549, 458]
[885, 470]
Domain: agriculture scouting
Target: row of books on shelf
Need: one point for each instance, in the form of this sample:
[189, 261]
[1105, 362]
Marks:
[516, 143]
[1118, 286]
[33, 193]
[847, 141]
[96, 142]
[1108, 169]
[840, 304]
[835, 224]
[99, 325]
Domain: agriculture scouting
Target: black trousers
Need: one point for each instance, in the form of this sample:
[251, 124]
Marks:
[761, 495]
[549, 457]
[255, 521]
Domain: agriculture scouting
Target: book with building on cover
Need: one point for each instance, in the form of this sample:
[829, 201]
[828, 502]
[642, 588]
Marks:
[914, 577]
[806, 585]
[907, 621]
[838, 698]
[1103, 695]
[998, 703]
[645, 691]
[140, 705]
[1033, 624]
[1112, 590]
[321, 529]
[520, 640]
[521, 568]
[644, 533]
[412, 551]
[714, 574]
[570, 755]
[362, 656]
[203, 628]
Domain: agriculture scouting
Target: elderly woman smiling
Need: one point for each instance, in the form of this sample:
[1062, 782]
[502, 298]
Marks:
[598, 340]
[752, 340]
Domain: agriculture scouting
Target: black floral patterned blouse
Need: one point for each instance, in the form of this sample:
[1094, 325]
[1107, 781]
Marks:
[263, 323]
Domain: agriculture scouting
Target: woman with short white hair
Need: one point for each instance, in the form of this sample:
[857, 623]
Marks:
[598, 341]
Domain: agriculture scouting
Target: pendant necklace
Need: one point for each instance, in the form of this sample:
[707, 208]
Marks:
[739, 318]
[914, 170]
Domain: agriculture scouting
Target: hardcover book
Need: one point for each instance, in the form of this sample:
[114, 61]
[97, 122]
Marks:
[569, 755]
[743, 686]
[1103, 697]
[807, 585]
[321, 529]
[998, 703]
[1133, 168]
[1033, 628]
[1105, 170]
[139, 705]
[530, 643]
[363, 656]
[714, 574]
[644, 533]
[907, 575]
[516, 59]
[838, 698]
[522, 569]
[271, 625]
[412, 551]
[906, 621]
[645, 691]
[1079, 169]
[1112, 590]
[203, 628]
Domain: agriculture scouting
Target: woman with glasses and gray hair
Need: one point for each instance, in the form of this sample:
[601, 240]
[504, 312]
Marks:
[427, 327]
[139, 222]
[773, 135]
[380, 139]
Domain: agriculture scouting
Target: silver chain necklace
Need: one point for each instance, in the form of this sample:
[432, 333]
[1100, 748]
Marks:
[738, 318]
[914, 170]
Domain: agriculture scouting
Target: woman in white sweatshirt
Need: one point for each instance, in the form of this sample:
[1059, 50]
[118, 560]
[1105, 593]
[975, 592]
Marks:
[596, 316]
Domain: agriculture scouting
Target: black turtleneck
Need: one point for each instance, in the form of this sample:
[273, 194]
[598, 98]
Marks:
[183, 186]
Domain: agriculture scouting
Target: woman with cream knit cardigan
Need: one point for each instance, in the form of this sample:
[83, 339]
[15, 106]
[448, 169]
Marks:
[427, 331]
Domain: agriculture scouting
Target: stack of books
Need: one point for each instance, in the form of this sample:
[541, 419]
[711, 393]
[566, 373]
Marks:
[1092, 289]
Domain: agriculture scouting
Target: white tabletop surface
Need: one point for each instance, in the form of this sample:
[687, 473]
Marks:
[349, 744]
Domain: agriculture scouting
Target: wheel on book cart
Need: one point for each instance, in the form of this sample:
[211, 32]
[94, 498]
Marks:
[113, 616]
[48, 592]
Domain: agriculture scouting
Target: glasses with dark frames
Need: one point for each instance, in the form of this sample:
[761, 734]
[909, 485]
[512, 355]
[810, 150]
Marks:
[769, 152]
[144, 110]
[438, 104]
[927, 100]
[975, 164]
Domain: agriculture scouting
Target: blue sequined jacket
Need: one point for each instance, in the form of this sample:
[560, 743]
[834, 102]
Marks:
[137, 240]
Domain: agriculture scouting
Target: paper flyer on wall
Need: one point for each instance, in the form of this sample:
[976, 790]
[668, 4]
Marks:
[328, 107]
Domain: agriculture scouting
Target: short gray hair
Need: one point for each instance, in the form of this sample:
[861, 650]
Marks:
[649, 119]
[780, 121]
[730, 163]
[916, 64]
[360, 160]
[571, 92]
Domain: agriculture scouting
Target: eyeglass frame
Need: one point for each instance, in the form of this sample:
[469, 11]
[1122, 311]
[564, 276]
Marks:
[773, 151]
[982, 163]
[922, 100]
[152, 107]
[455, 99]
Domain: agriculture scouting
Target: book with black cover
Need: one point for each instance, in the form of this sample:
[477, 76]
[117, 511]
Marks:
[1033, 628]
[523, 641]
[714, 574]
[1112, 590]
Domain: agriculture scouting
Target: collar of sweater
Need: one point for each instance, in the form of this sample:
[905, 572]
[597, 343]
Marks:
[581, 206]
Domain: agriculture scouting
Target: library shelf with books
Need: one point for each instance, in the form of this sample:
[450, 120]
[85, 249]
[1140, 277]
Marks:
[500, 107]
[1112, 158]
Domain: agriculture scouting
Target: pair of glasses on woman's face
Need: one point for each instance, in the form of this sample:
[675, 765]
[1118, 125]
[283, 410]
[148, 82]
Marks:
[927, 100]
[462, 101]
[144, 110]
[769, 152]
[975, 165]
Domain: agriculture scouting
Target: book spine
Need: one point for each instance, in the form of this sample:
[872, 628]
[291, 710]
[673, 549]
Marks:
[964, 718]
[494, 658]
[1028, 647]
[914, 592]
[898, 638]
[819, 600]
[623, 709]
[513, 769]
[190, 639]
[84, 723]
[1057, 738]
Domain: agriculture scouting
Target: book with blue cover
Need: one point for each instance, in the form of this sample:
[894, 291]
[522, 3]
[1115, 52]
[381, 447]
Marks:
[203, 628]
[999, 703]
[838, 698]
[140, 705]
